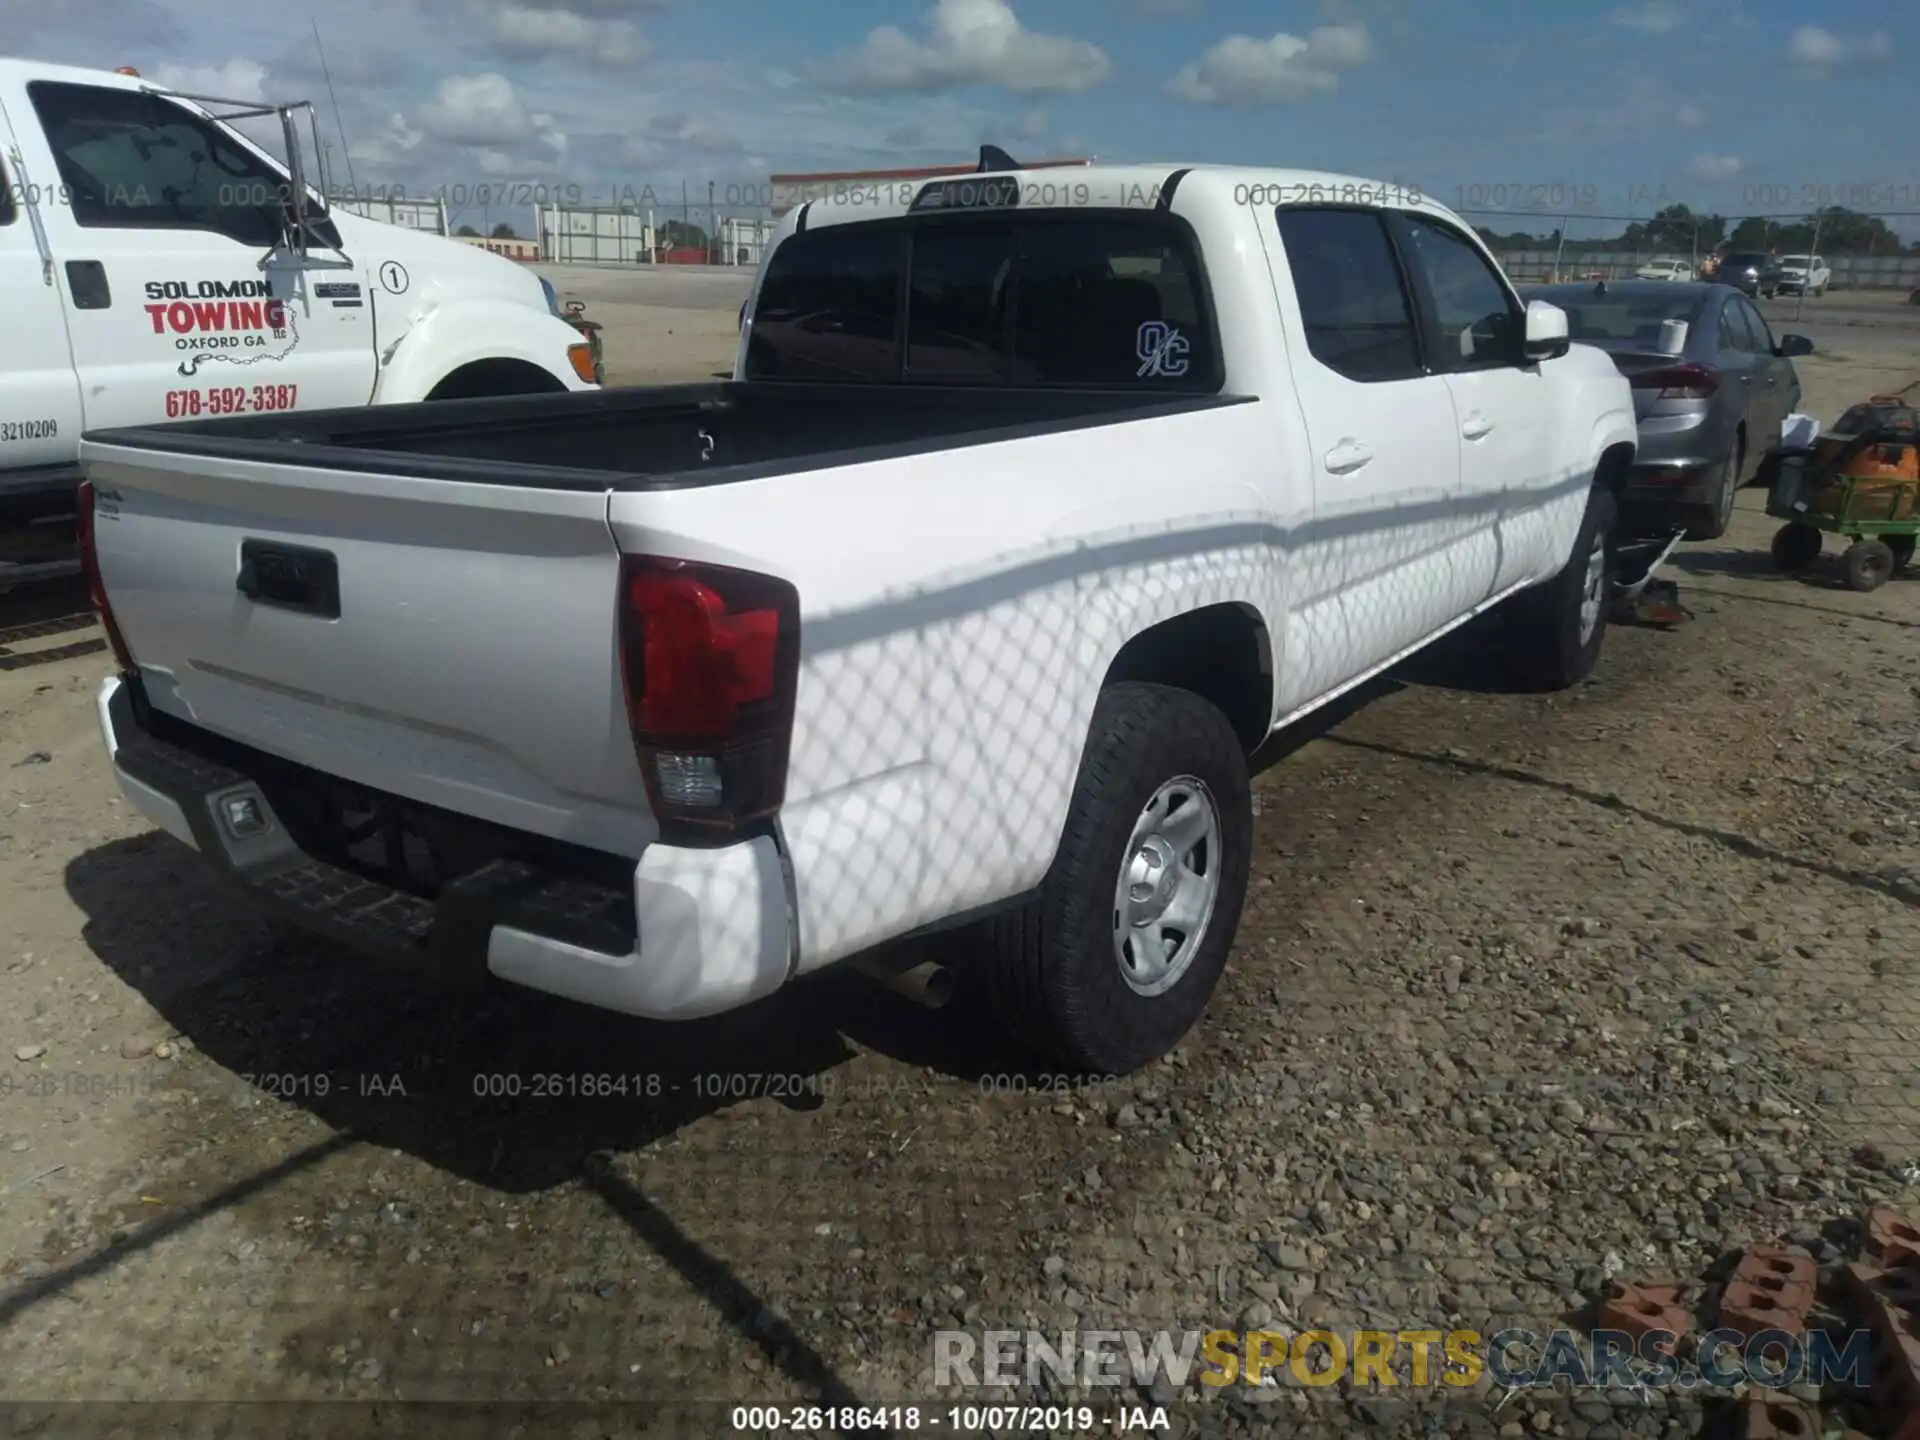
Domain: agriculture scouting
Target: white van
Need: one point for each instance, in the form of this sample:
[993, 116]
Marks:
[153, 267]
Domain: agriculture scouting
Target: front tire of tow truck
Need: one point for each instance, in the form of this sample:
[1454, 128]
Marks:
[1557, 628]
[1116, 959]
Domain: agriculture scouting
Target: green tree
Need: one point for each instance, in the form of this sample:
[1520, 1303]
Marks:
[468, 231]
[504, 231]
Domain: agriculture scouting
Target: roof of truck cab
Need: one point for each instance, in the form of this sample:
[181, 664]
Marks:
[1140, 187]
[21, 70]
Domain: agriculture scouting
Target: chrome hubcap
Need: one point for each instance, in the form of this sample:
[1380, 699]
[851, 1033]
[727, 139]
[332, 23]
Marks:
[1593, 592]
[1168, 883]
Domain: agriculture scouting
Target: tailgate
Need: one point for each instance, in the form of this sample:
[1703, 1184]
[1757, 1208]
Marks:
[472, 663]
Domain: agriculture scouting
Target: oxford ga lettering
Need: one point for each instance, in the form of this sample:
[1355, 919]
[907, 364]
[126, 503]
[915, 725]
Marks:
[216, 313]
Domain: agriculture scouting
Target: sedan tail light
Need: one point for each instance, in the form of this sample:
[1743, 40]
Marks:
[1679, 382]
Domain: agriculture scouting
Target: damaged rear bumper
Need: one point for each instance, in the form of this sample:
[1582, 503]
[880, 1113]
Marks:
[717, 924]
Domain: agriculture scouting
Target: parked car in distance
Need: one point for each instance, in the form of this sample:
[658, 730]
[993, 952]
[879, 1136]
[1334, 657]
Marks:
[1707, 412]
[1675, 270]
[1752, 271]
[1808, 274]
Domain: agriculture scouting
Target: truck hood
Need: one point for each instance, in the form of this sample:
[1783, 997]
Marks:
[413, 272]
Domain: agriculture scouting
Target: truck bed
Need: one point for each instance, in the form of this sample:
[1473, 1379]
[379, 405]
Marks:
[657, 438]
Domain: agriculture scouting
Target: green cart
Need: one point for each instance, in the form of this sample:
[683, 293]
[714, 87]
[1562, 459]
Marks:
[1862, 483]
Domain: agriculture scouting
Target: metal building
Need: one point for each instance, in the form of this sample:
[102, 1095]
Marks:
[428, 215]
[593, 235]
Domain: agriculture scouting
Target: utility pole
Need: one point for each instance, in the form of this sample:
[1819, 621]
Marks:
[713, 224]
[1800, 301]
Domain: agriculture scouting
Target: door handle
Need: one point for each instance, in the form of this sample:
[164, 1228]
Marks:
[87, 279]
[1348, 456]
[1475, 426]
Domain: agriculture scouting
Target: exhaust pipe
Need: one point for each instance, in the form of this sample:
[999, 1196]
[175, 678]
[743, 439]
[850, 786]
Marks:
[926, 984]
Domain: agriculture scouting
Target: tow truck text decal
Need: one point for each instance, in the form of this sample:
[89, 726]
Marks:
[231, 400]
[29, 429]
[238, 321]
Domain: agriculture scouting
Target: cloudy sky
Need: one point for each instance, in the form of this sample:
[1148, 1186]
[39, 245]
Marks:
[1742, 106]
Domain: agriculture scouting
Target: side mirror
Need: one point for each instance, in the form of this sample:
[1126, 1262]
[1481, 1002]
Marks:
[1792, 345]
[1546, 331]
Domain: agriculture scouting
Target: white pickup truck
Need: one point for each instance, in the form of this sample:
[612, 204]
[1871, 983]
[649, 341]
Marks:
[152, 267]
[1035, 504]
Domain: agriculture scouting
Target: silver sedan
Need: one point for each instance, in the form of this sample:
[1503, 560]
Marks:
[1711, 385]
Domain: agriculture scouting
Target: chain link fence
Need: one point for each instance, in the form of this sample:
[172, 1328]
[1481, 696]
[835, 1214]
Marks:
[1864, 252]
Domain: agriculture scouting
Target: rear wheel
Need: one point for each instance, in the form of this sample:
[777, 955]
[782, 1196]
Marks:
[1115, 960]
[1795, 547]
[1717, 514]
[1557, 628]
[1868, 564]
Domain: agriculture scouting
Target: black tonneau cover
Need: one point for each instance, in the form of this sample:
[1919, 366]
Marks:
[659, 437]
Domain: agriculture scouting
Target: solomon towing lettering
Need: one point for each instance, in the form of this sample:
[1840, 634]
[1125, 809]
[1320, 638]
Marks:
[233, 320]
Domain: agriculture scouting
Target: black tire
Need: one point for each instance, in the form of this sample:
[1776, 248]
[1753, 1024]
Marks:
[1902, 548]
[1714, 519]
[1548, 649]
[1868, 565]
[1052, 969]
[1796, 546]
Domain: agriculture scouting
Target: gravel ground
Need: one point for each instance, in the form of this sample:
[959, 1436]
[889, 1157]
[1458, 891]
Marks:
[1530, 991]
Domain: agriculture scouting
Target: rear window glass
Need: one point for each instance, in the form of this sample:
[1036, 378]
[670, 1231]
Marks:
[1094, 300]
[830, 308]
[1623, 320]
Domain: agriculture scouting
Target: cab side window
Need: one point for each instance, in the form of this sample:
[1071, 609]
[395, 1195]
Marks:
[1479, 324]
[1353, 298]
[135, 161]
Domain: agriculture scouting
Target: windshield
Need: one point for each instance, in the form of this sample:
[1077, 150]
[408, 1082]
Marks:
[1746, 257]
[1622, 320]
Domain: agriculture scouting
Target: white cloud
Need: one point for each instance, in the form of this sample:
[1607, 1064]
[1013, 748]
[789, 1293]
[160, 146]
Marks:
[671, 138]
[1656, 17]
[1031, 125]
[1690, 117]
[1716, 167]
[235, 80]
[538, 31]
[968, 43]
[1165, 9]
[486, 111]
[1246, 73]
[1815, 47]
[1821, 52]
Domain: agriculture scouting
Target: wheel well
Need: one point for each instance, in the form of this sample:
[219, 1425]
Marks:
[1616, 463]
[1220, 652]
[498, 376]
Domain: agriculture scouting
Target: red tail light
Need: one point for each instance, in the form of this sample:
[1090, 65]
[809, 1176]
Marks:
[1679, 382]
[710, 658]
[96, 588]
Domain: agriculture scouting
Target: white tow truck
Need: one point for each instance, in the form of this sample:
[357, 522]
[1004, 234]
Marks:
[1036, 503]
[153, 266]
